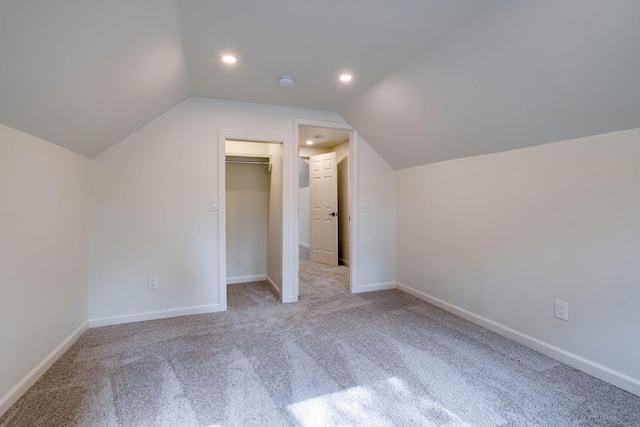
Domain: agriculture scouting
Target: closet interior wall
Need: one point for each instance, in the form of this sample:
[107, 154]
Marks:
[253, 212]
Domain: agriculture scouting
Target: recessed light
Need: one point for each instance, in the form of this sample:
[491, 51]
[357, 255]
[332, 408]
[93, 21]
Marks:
[346, 78]
[229, 59]
[309, 142]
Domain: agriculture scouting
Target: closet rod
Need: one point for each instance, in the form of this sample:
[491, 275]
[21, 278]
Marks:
[245, 162]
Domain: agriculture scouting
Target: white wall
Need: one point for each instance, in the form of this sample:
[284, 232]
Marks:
[246, 148]
[247, 188]
[303, 202]
[247, 207]
[344, 232]
[504, 235]
[341, 150]
[376, 233]
[306, 151]
[151, 208]
[44, 232]
[275, 226]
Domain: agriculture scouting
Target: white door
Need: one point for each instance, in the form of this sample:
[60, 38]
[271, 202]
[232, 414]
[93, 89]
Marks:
[323, 209]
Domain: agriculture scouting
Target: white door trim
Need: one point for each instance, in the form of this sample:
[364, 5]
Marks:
[353, 211]
[353, 185]
[289, 211]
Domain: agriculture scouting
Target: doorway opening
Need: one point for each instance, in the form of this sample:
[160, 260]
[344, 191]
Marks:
[324, 202]
[253, 211]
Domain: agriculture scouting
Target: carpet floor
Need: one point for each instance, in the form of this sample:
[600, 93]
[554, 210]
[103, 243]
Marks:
[332, 359]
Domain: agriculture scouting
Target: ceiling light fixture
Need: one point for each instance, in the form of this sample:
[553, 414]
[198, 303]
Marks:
[286, 81]
[309, 142]
[229, 59]
[346, 78]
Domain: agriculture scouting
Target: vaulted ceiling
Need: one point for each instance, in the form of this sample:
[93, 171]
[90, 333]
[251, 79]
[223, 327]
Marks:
[523, 74]
[84, 74]
[433, 79]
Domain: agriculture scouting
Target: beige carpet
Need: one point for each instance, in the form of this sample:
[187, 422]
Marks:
[332, 359]
[320, 279]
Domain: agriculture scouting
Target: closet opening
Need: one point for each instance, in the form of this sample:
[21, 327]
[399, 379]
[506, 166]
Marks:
[254, 214]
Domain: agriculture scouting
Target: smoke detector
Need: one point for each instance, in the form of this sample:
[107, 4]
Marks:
[286, 81]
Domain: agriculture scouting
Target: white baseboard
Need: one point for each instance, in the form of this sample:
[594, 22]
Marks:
[344, 261]
[153, 315]
[246, 279]
[374, 287]
[623, 381]
[304, 245]
[274, 287]
[23, 385]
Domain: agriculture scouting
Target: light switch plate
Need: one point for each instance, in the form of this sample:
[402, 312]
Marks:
[363, 203]
[214, 204]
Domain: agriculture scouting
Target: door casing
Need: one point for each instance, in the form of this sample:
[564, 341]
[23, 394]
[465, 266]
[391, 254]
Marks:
[290, 230]
[353, 197]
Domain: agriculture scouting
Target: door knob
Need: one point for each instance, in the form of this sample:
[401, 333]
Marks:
[332, 214]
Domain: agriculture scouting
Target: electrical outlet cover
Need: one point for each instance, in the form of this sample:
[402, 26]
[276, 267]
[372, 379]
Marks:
[562, 310]
[153, 282]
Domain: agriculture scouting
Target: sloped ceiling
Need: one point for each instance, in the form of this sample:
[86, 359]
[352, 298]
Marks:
[434, 79]
[84, 74]
[314, 41]
[528, 73]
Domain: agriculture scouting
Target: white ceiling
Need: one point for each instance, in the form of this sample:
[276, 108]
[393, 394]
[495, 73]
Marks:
[85, 74]
[434, 79]
[527, 73]
[330, 137]
[314, 41]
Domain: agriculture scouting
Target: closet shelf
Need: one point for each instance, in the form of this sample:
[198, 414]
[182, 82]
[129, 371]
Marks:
[249, 159]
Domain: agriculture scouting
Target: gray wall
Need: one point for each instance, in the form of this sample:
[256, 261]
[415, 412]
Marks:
[247, 188]
[44, 252]
[504, 235]
[303, 203]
